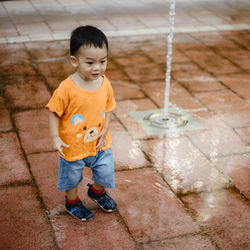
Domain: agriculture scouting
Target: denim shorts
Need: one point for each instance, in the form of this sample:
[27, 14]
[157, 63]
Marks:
[102, 166]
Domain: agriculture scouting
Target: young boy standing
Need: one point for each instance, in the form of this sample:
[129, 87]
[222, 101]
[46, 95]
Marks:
[80, 111]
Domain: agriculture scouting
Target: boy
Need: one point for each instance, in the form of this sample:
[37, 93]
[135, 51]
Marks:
[79, 117]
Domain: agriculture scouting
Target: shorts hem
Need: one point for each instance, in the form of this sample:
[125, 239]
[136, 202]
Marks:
[104, 184]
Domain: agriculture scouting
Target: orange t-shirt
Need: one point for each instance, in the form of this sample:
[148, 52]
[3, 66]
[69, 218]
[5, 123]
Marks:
[82, 117]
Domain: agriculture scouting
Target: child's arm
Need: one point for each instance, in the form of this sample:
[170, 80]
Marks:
[58, 144]
[101, 138]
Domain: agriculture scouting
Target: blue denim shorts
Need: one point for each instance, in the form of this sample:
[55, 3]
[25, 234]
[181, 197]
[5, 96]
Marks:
[102, 166]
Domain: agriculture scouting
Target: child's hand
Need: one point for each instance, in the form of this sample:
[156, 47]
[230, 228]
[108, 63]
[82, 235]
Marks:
[101, 140]
[58, 144]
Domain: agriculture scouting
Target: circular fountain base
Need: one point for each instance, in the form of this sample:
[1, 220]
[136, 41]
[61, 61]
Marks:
[170, 121]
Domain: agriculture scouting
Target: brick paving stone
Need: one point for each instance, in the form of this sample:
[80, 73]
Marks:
[5, 122]
[186, 42]
[219, 142]
[126, 90]
[178, 95]
[163, 215]
[239, 57]
[184, 67]
[123, 109]
[27, 94]
[231, 107]
[13, 53]
[13, 166]
[127, 154]
[216, 40]
[212, 62]
[224, 215]
[145, 72]
[183, 243]
[33, 129]
[223, 101]
[236, 167]
[240, 83]
[43, 51]
[182, 165]
[132, 60]
[241, 37]
[105, 231]
[116, 75]
[16, 70]
[244, 133]
[55, 72]
[198, 81]
[23, 223]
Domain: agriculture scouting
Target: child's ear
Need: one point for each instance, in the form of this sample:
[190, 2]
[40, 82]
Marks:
[73, 61]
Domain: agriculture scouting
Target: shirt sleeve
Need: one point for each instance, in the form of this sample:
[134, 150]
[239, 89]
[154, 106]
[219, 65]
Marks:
[111, 103]
[59, 100]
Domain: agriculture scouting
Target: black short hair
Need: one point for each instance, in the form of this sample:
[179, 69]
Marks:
[87, 36]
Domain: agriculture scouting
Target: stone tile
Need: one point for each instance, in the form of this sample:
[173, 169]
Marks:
[89, 235]
[224, 215]
[5, 122]
[197, 81]
[178, 95]
[212, 62]
[125, 90]
[122, 112]
[145, 72]
[186, 42]
[182, 165]
[162, 217]
[44, 167]
[55, 72]
[183, 67]
[132, 60]
[231, 107]
[43, 51]
[240, 57]
[23, 222]
[244, 133]
[13, 166]
[183, 243]
[241, 37]
[219, 142]
[216, 40]
[13, 53]
[116, 75]
[32, 28]
[239, 83]
[33, 129]
[29, 94]
[62, 23]
[236, 167]
[17, 70]
[127, 154]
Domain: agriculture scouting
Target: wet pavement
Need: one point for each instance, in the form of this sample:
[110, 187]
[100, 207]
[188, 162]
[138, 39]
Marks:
[181, 190]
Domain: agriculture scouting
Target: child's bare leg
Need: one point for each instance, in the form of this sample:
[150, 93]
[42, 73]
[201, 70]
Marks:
[72, 194]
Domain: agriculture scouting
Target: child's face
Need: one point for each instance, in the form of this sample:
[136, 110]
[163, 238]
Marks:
[91, 62]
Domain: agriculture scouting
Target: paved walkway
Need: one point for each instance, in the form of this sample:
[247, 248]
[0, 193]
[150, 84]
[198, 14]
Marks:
[186, 190]
[50, 20]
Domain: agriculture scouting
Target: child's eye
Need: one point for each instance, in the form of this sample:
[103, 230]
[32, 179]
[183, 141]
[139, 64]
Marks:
[103, 62]
[89, 63]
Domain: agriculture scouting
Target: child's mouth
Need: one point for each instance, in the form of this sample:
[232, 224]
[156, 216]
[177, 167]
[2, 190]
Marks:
[95, 75]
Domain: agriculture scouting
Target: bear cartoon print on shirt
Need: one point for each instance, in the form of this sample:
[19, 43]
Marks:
[88, 134]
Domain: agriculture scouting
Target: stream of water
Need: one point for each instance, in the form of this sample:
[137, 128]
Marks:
[169, 56]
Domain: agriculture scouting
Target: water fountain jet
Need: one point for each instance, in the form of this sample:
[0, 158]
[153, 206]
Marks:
[163, 119]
